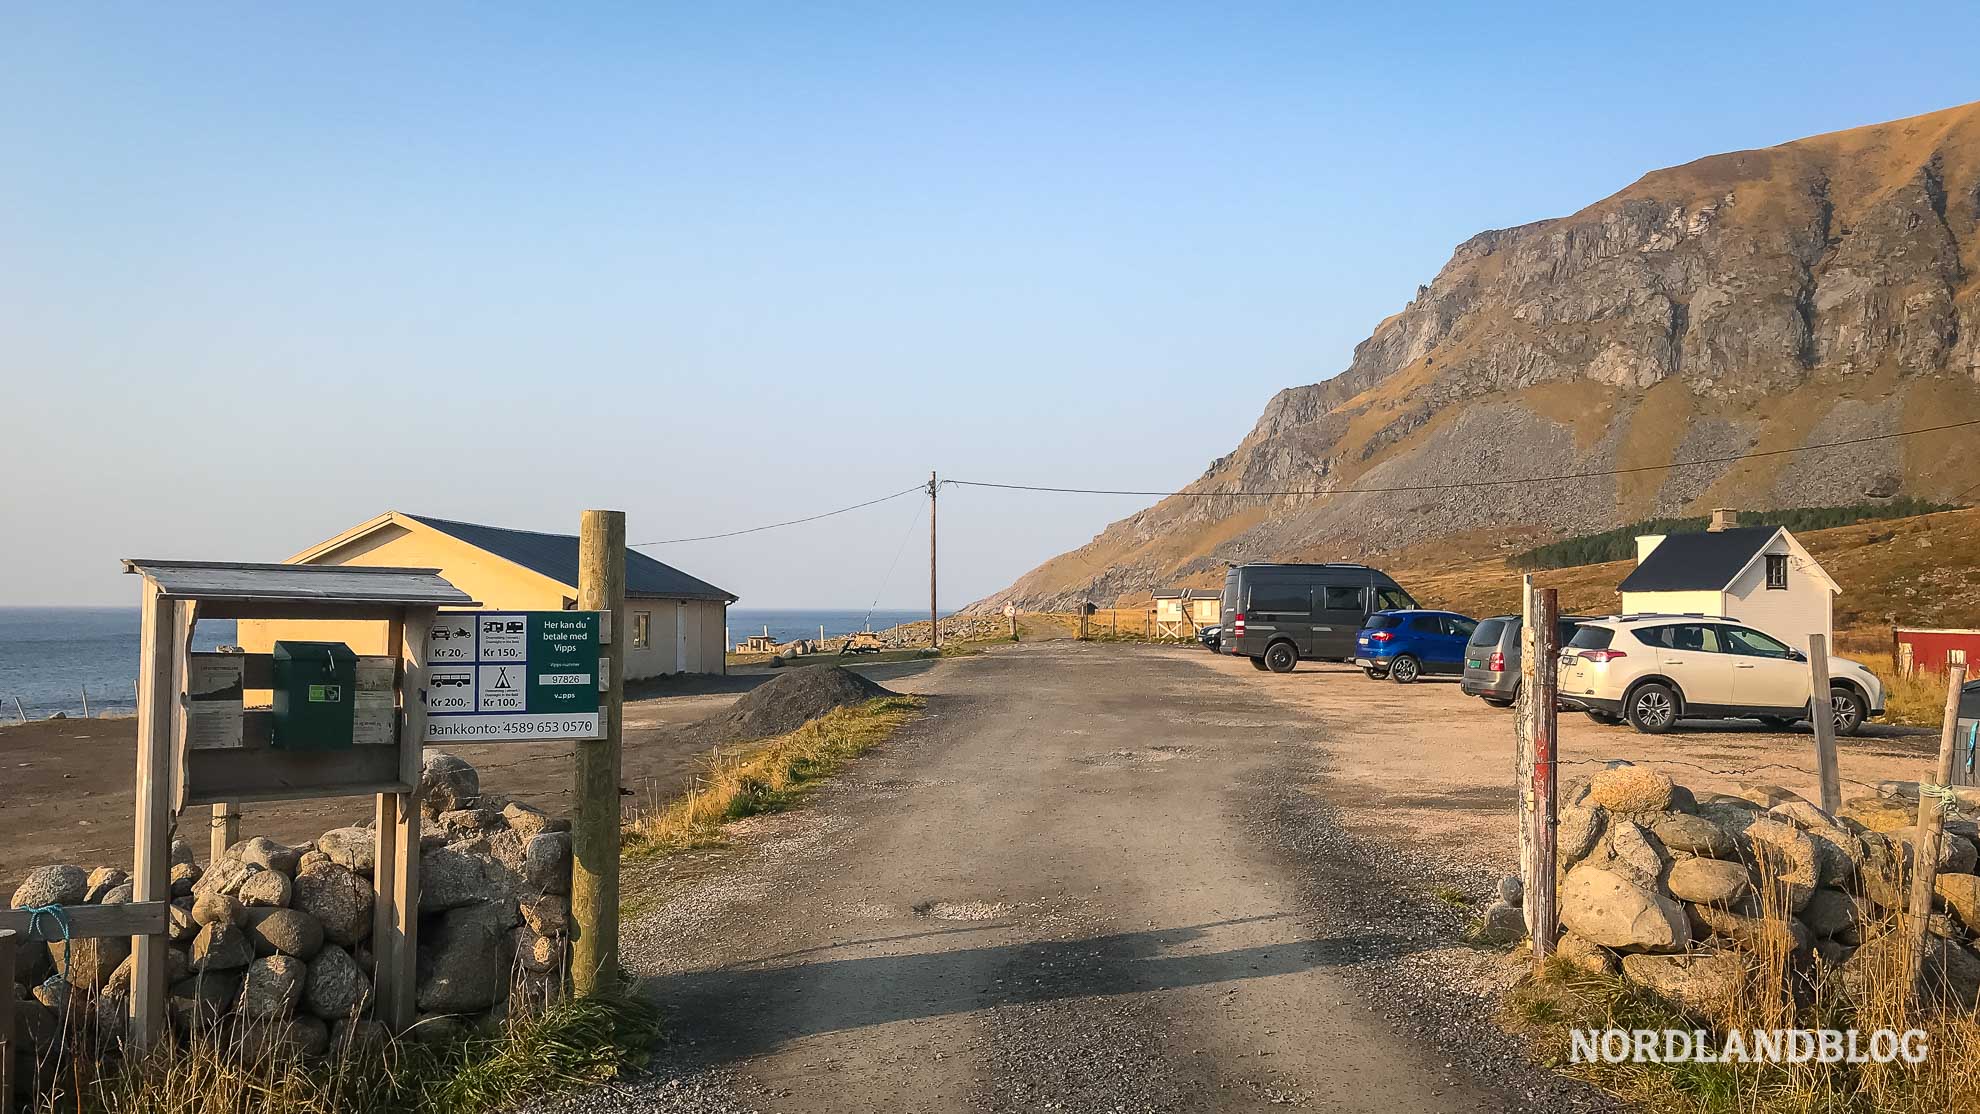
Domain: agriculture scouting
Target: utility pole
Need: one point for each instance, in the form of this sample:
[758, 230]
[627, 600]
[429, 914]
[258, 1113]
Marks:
[595, 832]
[934, 618]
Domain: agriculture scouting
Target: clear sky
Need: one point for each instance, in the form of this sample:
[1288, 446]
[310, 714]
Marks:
[268, 270]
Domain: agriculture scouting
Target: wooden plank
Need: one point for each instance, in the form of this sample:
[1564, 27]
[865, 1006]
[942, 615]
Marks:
[249, 582]
[160, 672]
[260, 773]
[223, 829]
[1822, 717]
[277, 609]
[89, 922]
[216, 676]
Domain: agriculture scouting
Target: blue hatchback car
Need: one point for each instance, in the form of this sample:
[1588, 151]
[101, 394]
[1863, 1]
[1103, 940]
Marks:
[1404, 645]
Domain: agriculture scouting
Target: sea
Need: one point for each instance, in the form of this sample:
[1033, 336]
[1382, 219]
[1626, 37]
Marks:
[51, 656]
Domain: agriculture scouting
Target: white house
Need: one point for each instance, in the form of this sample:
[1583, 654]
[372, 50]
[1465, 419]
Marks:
[1759, 575]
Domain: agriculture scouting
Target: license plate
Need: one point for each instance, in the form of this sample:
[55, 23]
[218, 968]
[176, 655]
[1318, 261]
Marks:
[1475, 663]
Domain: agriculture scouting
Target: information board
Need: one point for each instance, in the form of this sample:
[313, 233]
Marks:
[494, 675]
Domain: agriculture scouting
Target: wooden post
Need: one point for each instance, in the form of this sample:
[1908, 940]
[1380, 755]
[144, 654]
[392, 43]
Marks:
[395, 837]
[595, 833]
[1523, 729]
[1543, 620]
[1115, 614]
[934, 617]
[226, 830]
[1085, 606]
[7, 1020]
[1931, 831]
[161, 649]
[1822, 717]
[1014, 633]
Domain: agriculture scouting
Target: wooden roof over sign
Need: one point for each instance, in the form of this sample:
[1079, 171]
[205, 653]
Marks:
[331, 584]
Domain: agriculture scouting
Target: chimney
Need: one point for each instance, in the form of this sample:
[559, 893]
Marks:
[1645, 543]
[1723, 518]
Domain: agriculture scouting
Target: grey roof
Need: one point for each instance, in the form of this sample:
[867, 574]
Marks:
[353, 584]
[1704, 560]
[556, 556]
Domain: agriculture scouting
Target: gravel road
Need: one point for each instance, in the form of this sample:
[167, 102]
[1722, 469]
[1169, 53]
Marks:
[1089, 878]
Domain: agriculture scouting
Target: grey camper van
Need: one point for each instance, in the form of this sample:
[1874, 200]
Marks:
[1278, 614]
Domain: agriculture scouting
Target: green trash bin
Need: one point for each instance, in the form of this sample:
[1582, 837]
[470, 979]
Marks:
[315, 696]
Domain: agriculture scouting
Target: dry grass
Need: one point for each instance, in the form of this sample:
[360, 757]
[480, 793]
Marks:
[242, 1070]
[765, 776]
[1916, 699]
[1775, 993]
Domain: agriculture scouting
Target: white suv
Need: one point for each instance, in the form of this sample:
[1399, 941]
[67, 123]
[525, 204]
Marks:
[1654, 670]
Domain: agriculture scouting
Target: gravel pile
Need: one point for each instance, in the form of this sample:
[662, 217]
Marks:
[789, 701]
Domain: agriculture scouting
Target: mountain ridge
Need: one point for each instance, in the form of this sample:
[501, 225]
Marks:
[1814, 291]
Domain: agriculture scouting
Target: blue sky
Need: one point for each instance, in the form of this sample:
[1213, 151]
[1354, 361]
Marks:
[266, 273]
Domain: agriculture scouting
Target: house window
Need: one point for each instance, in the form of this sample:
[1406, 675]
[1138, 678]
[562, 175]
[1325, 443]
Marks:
[642, 629]
[1777, 570]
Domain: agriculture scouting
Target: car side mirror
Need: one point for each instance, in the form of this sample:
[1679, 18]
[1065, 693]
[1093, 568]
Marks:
[1797, 655]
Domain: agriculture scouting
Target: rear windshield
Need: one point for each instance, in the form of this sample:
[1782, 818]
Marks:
[1384, 622]
[1591, 638]
[1231, 591]
[1488, 632]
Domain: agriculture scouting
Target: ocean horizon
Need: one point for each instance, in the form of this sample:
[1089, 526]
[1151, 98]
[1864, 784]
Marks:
[51, 656]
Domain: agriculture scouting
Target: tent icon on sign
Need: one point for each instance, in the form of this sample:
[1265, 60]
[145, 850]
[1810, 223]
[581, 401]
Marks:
[502, 679]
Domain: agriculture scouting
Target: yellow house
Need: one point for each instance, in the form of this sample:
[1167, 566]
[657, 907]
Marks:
[678, 622]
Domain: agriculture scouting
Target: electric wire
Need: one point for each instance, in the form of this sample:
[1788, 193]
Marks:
[921, 487]
[1462, 485]
[906, 536]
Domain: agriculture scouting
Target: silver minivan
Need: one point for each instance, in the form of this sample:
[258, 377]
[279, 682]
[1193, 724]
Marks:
[1492, 658]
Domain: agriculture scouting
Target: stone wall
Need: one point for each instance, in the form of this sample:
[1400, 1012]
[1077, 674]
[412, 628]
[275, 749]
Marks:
[279, 936]
[1668, 889]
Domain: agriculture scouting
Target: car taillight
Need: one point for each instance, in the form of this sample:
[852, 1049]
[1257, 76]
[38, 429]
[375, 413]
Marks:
[1602, 657]
[1237, 625]
[1497, 663]
[1381, 636]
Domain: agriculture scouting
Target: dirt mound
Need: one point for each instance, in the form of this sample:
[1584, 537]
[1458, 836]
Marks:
[789, 701]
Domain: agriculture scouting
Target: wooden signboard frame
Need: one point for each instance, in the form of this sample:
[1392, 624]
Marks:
[183, 697]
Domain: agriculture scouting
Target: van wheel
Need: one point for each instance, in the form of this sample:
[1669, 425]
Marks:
[1848, 710]
[1280, 657]
[1652, 708]
[1257, 663]
[1403, 670]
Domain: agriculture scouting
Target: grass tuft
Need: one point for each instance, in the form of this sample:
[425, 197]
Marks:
[564, 1046]
[766, 776]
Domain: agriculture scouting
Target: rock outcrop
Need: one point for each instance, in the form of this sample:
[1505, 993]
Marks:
[1675, 320]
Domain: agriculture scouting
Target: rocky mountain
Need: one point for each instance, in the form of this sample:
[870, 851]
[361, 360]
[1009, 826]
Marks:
[1812, 292]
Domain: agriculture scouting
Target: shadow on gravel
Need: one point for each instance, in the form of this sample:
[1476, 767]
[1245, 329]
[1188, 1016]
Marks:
[738, 1013]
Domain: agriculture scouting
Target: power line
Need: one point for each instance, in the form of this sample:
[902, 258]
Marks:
[920, 487]
[906, 536]
[1469, 484]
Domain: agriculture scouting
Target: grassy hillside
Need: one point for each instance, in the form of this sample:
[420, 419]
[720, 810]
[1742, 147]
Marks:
[1923, 570]
[1620, 544]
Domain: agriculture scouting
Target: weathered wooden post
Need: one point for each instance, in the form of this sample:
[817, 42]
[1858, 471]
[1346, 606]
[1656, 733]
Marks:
[1822, 717]
[595, 835]
[1085, 611]
[1542, 620]
[7, 1020]
[1931, 831]
[158, 662]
